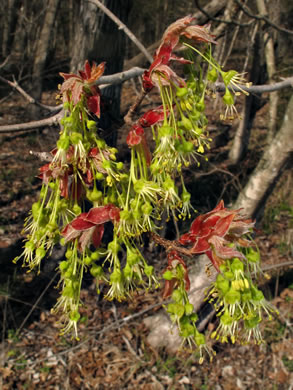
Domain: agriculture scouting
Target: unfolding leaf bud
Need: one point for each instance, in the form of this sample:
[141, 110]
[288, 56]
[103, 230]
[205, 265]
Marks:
[120, 165]
[237, 265]
[147, 208]
[63, 143]
[29, 245]
[114, 247]
[186, 123]
[99, 176]
[228, 98]
[188, 308]
[232, 296]
[63, 266]
[87, 260]
[96, 271]
[40, 253]
[227, 76]
[177, 296]
[91, 125]
[149, 270]
[213, 75]
[75, 138]
[74, 316]
[180, 92]
[200, 106]
[96, 195]
[165, 131]
[168, 275]
[76, 209]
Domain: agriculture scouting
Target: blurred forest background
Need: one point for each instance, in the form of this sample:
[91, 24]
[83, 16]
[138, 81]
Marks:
[250, 166]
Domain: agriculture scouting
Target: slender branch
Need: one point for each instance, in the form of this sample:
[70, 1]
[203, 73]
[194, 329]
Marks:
[170, 245]
[215, 19]
[5, 62]
[123, 27]
[52, 121]
[14, 84]
[128, 117]
[287, 82]
[120, 77]
[246, 10]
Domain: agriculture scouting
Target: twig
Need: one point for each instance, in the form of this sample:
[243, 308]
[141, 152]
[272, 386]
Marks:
[210, 17]
[170, 245]
[246, 10]
[128, 117]
[14, 84]
[35, 304]
[4, 62]
[287, 82]
[273, 266]
[120, 77]
[123, 27]
[52, 121]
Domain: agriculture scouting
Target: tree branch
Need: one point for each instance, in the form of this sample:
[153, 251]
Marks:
[285, 83]
[52, 121]
[210, 17]
[123, 27]
[120, 78]
[14, 84]
[246, 10]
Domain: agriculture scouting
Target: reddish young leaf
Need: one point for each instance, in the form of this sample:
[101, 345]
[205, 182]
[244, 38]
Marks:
[81, 223]
[98, 235]
[93, 103]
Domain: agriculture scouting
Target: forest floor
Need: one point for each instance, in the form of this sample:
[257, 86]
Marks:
[113, 352]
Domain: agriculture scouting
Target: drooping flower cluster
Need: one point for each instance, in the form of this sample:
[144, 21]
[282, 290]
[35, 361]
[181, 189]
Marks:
[223, 235]
[86, 190]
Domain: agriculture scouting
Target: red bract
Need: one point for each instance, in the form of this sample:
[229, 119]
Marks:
[89, 227]
[73, 86]
[163, 55]
[98, 156]
[136, 137]
[152, 117]
[216, 234]
[174, 260]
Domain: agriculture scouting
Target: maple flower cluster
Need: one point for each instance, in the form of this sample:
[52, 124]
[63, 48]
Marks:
[86, 191]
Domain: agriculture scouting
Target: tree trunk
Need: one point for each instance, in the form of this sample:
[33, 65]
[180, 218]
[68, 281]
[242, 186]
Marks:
[252, 104]
[99, 39]
[269, 52]
[42, 47]
[9, 24]
[252, 199]
[275, 158]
